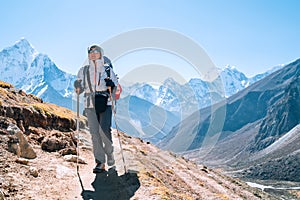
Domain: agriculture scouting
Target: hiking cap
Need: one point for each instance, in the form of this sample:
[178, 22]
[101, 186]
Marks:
[96, 47]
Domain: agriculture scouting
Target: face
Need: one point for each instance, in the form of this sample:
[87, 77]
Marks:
[94, 54]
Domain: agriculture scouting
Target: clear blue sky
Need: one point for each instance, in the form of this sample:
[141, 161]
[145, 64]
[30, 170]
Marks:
[253, 35]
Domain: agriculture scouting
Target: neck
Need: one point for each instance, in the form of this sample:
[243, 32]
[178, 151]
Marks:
[96, 63]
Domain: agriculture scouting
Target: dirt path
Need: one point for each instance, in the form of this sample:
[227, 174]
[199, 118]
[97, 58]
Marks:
[152, 174]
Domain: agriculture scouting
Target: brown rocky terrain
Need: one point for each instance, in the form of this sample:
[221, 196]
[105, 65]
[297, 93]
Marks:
[38, 161]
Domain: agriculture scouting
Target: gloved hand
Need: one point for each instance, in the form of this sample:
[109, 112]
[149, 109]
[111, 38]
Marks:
[78, 87]
[109, 83]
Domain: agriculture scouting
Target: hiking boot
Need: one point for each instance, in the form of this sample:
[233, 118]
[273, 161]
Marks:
[100, 167]
[110, 160]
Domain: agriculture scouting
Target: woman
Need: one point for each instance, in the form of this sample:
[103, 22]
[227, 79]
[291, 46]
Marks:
[97, 80]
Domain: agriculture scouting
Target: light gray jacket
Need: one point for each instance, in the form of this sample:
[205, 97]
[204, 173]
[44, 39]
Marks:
[97, 76]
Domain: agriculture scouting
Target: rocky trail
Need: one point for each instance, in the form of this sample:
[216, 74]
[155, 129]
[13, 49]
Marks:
[152, 174]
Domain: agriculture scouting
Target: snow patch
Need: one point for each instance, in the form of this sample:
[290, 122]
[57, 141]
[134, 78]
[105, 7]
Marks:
[283, 141]
[138, 126]
[256, 185]
[42, 91]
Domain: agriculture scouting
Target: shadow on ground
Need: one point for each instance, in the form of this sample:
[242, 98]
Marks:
[109, 186]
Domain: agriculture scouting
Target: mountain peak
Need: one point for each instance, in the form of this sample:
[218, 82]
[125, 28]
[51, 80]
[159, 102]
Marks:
[22, 51]
[22, 42]
[170, 81]
[23, 45]
[230, 67]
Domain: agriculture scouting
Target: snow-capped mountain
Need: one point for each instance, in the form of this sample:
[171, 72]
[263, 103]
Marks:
[35, 73]
[141, 90]
[233, 80]
[196, 93]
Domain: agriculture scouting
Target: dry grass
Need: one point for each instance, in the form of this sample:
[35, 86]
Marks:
[151, 175]
[43, 108]
[163, 192]
[159, 188]
[222, 196]
[143, 152]
[3, 92]
[52, 109]
[185, 196]
[5, 85]
[170, 171]
[34, 97]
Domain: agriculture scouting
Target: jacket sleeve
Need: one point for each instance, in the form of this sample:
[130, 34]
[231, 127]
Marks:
[80, 74]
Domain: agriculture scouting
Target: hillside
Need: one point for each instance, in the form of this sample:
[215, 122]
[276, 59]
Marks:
[270, 107]
[37, 141]
[253, 134]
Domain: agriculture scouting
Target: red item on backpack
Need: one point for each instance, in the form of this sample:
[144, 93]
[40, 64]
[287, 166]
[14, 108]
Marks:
[118, 92]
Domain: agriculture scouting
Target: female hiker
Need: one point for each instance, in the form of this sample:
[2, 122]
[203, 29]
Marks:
[97, 80]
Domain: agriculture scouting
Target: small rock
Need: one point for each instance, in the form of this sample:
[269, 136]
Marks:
[13, 147]
[87, 148]
[22, 161]
[33, 172]
[67, 151]
[73, 158]
[2, 196]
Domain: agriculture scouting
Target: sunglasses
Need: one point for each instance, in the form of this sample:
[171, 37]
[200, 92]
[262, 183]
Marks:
[93, 51]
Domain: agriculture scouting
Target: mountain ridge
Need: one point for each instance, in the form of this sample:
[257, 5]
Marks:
[256, 118]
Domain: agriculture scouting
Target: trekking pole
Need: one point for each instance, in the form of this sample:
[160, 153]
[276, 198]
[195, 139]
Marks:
[114, 114]
[77, 129]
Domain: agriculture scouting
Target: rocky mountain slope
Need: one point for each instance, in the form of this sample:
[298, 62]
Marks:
[273, 101]
[143, 119]
[38, 148]
[244, 132]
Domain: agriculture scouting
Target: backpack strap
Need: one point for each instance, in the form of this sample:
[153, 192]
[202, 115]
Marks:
[85, 71]
[107, 61]
[86, 68]
[107, 70]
